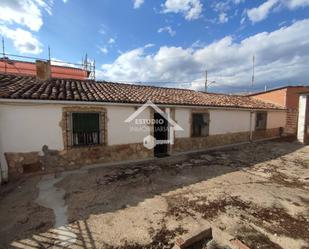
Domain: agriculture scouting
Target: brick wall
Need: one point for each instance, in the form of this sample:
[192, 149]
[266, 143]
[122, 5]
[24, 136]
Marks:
[287, 97]
[291, 121]
[277, 97]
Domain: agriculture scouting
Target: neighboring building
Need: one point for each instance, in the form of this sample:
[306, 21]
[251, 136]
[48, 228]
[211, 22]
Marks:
[59, 124]
[303, 118]
[287, 97]
[30, 68]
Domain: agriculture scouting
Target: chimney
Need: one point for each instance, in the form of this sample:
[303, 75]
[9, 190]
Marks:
[43, 71]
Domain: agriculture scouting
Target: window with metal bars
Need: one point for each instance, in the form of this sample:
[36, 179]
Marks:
[200, 124]
[86, 129]
[261, 121]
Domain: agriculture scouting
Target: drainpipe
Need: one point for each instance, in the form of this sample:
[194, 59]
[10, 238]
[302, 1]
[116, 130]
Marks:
[251, 130]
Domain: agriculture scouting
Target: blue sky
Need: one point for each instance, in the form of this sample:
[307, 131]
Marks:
[168, 42]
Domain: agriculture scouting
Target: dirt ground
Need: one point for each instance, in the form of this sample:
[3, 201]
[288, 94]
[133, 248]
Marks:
[257, 193]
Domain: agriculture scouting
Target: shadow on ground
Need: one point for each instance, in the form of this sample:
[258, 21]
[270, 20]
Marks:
[106, 190]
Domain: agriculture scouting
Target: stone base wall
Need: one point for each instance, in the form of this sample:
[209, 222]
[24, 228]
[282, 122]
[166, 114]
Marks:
[199, 143]
[269, 133]
[50, 161]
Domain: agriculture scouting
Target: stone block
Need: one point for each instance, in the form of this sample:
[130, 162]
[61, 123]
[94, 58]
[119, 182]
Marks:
[193, 237]
[239, 244]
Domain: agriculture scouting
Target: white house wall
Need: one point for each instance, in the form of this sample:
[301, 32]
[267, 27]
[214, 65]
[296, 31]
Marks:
[228, 121]
[182, 117]
[276, 119]
[27, 128]
[120, 132]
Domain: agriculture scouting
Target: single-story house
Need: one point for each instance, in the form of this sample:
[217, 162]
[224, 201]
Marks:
[59, 124]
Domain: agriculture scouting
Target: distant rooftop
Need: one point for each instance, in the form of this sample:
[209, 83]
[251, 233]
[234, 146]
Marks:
[277, 89]
[29, 69]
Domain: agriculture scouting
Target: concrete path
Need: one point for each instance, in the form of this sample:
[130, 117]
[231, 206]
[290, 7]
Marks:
[52, 197]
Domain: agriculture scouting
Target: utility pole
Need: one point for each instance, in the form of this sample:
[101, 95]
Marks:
[253, 68]
[3, 54]
[206, 83]
[3, 50]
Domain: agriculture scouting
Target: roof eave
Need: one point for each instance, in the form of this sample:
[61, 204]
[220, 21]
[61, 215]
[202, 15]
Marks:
[74, 102]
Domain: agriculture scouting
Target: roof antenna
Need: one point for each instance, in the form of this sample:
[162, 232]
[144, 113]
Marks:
[206, 83]
[94, 69]
[253, 68]
[49, 53]
[86, 61]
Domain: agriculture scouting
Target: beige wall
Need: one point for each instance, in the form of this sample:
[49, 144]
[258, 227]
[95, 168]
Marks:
[120, 132]
[276, 119]
[228, 121]
[27, 128]
[182, 117]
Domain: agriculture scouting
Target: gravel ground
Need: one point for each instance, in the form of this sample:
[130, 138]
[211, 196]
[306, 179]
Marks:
[257, 193]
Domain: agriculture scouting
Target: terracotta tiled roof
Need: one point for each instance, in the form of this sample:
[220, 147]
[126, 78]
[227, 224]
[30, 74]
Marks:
[27, 87]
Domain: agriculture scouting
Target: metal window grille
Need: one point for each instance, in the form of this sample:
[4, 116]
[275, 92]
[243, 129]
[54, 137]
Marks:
[86, 129]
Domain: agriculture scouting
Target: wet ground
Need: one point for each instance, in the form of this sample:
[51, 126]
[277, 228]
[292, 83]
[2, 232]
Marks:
[257, 193]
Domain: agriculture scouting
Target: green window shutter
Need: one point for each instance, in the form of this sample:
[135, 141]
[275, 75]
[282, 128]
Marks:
[86, 122]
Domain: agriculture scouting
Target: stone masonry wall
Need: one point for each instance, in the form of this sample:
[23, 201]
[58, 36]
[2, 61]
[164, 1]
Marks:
[199, 143]
[50, 161]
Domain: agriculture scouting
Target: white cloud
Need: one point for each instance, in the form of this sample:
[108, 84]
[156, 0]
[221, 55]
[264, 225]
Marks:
[62, 63]
[167, 29]
[24, 12]
[223, 18]
[103, 50]
[149, 45]
[138, 3]
[261, 12]
[191, 9]
[239, 1]
[293, 4]
[23, 40]
[111, 40]
[280, 55]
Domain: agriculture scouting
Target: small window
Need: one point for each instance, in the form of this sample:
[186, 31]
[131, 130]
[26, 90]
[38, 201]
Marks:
[200, 124]
[261, 119]
[86, 129]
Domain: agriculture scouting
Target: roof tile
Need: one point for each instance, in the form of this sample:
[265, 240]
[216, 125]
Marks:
[28, 87]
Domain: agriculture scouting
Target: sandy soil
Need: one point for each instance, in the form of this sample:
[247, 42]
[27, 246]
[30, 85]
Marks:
[258, 193]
